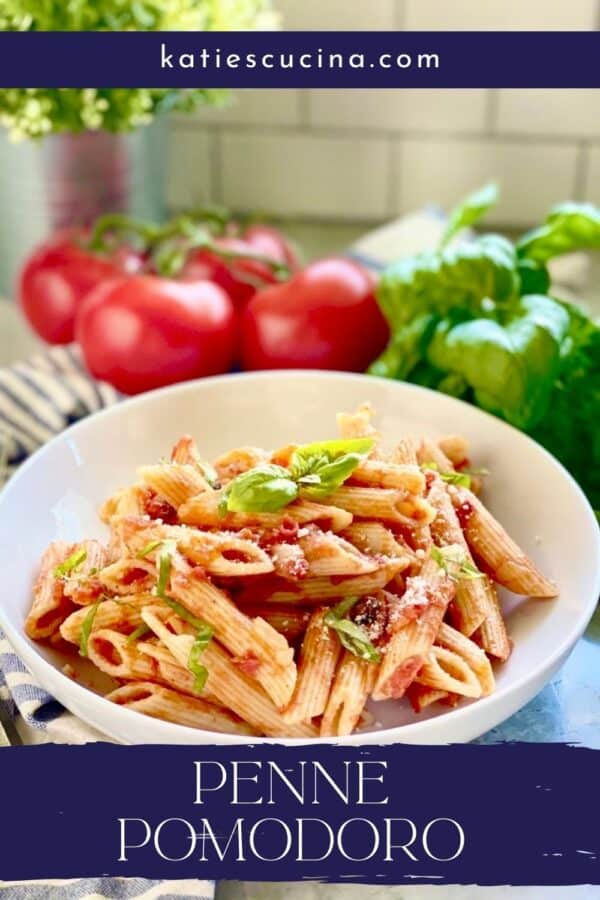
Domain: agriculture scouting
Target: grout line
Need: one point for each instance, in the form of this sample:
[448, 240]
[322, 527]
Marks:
[400, 17]
[582, 165]
[215, 150]
[394, 204]
[258, 129]
[491, 110]
[304, 104]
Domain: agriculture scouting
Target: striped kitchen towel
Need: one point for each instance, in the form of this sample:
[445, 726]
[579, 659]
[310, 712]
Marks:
[38, 399]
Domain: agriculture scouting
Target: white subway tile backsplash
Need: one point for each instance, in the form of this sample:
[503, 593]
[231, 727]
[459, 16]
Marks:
[306, 175]
[254, 107]
[337, 15]
[473, 15]
[532, 176]
[400, 110]
[188, 167]
[592, 176]
[549, 112]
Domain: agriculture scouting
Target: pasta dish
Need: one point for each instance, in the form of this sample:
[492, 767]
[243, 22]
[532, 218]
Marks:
[279, 592]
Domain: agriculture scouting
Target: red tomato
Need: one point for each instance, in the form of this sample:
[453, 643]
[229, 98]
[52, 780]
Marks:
[143, 332]
[325, 317]
[59, 275]
[241, 278]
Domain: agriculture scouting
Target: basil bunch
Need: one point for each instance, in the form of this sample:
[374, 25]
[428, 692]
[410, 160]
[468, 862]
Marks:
[478, 321]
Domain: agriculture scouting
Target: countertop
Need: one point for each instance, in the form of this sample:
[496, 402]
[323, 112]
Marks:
[567, 710]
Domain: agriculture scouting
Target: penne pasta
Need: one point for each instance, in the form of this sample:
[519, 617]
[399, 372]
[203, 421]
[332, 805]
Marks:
[50, 605]
[447, 671]
[162, 703]
[384, 504]
[176, 482]
[503, 558]
[316, 669]
[470, 602]
[353, 682]
[279, 593]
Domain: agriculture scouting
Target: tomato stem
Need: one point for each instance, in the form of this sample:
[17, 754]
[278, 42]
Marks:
[120, 224]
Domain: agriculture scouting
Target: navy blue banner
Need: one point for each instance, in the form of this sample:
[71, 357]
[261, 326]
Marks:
[514, 814]
[300, 59]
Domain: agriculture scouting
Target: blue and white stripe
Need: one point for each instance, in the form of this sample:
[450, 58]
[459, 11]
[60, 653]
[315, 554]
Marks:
[38, 399]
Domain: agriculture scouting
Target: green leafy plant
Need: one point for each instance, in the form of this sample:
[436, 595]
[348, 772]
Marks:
[478, 320]
[35, 112]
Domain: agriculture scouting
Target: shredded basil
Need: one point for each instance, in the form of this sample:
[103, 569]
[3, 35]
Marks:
[86, 627]
[149, 548]
[352, 636]
[201, 642]
[71, 563]
[453, 561]
[139, 632]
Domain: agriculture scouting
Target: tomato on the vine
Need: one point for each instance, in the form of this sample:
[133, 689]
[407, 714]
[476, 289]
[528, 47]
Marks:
[146, 331]
[60, 274]
[325, 317]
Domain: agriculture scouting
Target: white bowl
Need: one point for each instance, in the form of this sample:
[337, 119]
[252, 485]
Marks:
[56, 494]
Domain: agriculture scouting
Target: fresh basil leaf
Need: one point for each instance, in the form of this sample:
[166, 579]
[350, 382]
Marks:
[569, 227]
[71, 563]
[470, 211]
[139, 632]
[86, 628]
[149, 548]
[453, 561]
[405, 349]
[510, 369]
[164, 567]
[321, 467]
[184, 613]
[352, 636]
[263, 489]
[199, 671]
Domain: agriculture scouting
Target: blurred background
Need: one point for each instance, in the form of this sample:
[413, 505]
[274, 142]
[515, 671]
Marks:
[330, 165]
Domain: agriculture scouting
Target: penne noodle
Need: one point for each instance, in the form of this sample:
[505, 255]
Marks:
[353, 682]
[472, 654]
[430, 453]
[162, 703]
[357, 424]
[375, 538]
[455, 447]
[122, 615]
[470, 602]
[286, 619]
[126, 502]
[327, 554]
[234, 462]
[50, 606]
[492, 633]
[110, 651]
[447, 671]
[316, 590]
[408, 648]
[405, 452]
[203, 511]
[174, 482]
[316, 669]
[384, 474]
[502, 557]
[383, 503]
